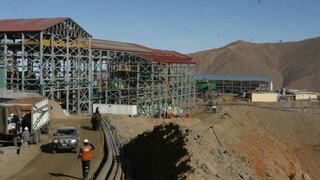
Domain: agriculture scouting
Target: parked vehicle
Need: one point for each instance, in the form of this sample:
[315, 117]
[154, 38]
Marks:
[66, 138]
[17, 114]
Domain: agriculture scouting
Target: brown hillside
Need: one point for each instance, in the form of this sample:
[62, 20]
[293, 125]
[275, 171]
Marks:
[292, 64]
[241, 141]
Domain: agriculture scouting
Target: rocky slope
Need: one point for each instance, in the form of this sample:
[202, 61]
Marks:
[241, 141]
[291, 65]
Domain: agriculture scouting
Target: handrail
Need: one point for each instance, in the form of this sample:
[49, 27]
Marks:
[112, 167]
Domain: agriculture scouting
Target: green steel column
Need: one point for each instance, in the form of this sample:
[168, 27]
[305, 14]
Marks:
[2, 75]
[41, 89]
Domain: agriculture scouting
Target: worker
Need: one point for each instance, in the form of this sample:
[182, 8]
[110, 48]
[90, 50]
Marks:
[26, 120]
[19, 144]
[16, 120]
[24, 141]
[15, 137]
[96, 120]
[85, 154]
[26, 135]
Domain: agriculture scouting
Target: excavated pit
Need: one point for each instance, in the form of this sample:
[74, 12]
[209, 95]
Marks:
[159, 154]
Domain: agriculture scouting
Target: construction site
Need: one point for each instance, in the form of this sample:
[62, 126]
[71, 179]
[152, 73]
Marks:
[167, 115]
[60, 60]
[151, 79]
[234, 83]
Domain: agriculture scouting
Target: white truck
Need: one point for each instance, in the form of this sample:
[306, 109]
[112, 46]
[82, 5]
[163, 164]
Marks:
[17, 114]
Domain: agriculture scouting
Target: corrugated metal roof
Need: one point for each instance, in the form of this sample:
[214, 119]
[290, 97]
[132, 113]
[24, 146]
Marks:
[142, 51]
[28, 100]
[233, 77]
[10, 94]
[166, 57]
[28, 25]
[117, 46]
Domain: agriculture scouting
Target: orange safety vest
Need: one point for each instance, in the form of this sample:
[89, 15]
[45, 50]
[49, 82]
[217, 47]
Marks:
[86, 153]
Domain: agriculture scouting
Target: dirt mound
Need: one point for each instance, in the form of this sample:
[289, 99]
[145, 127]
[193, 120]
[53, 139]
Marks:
[56, 111]
[207, 160]
[159, 154]
[292, 65]
[268, 139]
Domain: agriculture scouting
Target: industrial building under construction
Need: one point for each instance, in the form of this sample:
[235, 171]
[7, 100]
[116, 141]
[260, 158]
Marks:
[60, 60]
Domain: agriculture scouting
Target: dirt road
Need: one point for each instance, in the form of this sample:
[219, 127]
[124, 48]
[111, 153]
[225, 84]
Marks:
[62, 165]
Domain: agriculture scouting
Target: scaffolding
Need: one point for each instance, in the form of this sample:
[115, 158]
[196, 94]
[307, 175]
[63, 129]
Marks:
[53, 61]
[152, 86]
[55, 58]
[233, 83]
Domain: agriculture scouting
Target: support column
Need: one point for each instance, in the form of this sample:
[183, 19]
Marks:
[78, 65]
[108, 77]
[67, 69]
[138, 85]
[41, 86]
[22, 61]
[100, 77]
[3, 66]
[52, 82]
[5, 54]
[152, 90]
[90, 78]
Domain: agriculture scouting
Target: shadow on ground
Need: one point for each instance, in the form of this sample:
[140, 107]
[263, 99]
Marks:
[63, 175]
[47, 148]
[86, 128]
[159, 154]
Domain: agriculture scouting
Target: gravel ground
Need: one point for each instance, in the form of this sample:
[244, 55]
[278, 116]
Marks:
[37, 162]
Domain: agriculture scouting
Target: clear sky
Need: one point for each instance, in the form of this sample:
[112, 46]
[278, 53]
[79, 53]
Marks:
[181, 25]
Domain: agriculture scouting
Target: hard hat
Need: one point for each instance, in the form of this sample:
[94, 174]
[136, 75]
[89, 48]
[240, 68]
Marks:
[86, 141]
[26, 129]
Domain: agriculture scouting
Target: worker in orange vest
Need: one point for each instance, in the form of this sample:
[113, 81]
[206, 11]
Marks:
[85, 154]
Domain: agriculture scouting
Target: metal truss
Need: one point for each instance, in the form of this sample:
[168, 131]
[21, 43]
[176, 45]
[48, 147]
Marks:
[152, 86]
[59, 63]
[229, 86]
[55, 62]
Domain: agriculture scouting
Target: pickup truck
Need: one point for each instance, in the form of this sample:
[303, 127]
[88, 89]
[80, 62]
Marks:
[17, 114]
[66, 138]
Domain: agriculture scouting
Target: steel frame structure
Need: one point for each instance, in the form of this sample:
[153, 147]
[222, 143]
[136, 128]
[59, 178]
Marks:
[59, 63]
[152, 86]
[232, 86]
[56, 62]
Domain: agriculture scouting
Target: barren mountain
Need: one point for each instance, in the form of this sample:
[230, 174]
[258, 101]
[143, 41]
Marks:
[291, 64]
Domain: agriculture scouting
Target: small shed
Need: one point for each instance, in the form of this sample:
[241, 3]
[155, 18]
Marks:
[263, 97]
[301, 95]
[306, 96]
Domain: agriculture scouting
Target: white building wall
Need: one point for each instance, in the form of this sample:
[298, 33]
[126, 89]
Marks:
[305, 96]
[264, 97]
[271, 86]
[119, 109]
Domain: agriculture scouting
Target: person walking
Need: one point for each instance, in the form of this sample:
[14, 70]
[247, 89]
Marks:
[96, 120]
[24, 141]
[85, 154]
[26, 135]
[16, 120]
[19, 144]
[16, 132]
